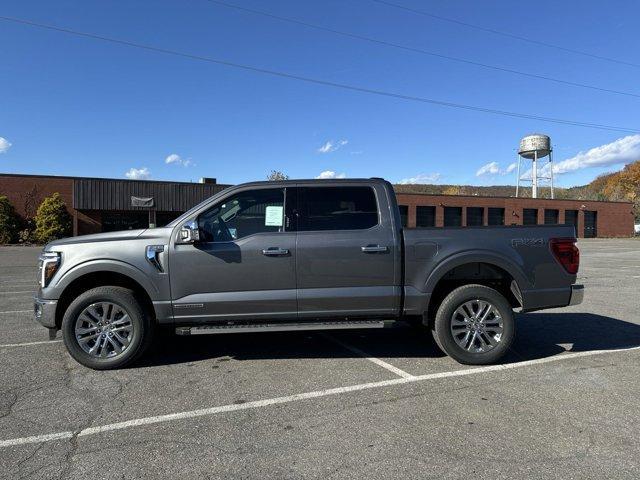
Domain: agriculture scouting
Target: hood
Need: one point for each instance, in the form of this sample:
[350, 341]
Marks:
[103, 237]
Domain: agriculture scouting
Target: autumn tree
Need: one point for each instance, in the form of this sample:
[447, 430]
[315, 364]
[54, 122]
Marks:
[8, 221]
[52, 219]
[276, 175]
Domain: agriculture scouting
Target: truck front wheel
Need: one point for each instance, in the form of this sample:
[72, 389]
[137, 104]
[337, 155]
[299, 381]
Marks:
[106, 328]
[474, 325]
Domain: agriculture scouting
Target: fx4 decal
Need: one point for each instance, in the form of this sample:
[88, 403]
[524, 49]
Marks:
[527, 242]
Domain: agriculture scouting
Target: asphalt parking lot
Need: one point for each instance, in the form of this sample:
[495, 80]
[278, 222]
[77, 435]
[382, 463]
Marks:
[355, 404]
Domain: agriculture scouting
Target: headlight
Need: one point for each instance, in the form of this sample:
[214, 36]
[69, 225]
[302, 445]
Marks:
[48, 264]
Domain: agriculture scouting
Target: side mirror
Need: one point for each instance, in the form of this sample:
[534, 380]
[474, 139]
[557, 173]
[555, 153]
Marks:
[189, 233]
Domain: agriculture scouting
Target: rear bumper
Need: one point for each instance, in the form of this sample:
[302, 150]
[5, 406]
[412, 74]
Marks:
[44, 312]
[577, 294]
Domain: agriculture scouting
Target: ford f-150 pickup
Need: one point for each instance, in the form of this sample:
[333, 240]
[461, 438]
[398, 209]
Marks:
[301, 255]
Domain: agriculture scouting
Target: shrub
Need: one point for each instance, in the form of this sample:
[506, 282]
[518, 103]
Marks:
[52, 219]
[8, 221]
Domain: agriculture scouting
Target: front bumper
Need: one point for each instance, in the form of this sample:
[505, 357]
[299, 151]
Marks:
[577, 294]
[44, 312]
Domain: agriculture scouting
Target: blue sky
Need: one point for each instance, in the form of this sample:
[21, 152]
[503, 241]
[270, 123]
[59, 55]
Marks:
[76, 106]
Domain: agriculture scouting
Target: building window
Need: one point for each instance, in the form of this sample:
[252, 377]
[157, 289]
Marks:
[551, 216]
[475, 216]
[496, 216]
[425, 216]
[571, 217]
[404, 215]
[452, 216]
[530, 216]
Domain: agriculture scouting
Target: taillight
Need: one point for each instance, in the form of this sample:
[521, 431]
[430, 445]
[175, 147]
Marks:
[566, 253]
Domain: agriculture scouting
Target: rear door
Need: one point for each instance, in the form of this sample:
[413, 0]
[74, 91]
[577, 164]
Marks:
[347, 252]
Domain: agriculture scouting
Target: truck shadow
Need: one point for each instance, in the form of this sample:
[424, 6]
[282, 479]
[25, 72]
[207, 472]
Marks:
[538, 335]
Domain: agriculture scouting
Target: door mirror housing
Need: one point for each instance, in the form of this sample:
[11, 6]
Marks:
[189, 233]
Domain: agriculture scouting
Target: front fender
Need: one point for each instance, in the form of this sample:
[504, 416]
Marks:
[101, 265]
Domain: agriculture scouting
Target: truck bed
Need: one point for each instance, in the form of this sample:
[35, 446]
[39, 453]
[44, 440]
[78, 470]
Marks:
[522, 252]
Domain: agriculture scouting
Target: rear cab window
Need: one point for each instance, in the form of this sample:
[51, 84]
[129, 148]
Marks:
[337, 208]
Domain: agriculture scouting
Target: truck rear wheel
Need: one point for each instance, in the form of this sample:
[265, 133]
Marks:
[106, 328]
[474, 325]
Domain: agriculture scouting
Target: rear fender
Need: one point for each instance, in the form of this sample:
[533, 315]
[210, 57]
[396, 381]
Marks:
[477, 256]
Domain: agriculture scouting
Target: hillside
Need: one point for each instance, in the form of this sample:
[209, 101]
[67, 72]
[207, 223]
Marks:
[617, 186]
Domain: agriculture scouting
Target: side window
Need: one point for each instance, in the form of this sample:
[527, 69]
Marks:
[243, 214]
[337, 208]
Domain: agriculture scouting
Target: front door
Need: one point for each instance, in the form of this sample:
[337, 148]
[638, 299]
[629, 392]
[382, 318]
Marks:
[346, 256]
[243, 267]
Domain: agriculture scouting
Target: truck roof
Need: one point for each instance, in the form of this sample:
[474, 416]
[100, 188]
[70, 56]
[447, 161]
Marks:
[315, 181]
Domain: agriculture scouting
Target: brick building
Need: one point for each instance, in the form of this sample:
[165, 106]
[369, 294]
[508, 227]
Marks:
[591, 218]
[99, 204]
[103, 204]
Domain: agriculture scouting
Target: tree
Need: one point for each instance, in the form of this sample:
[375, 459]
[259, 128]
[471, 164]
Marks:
[52, 219]
[8, 221]
[277, 175]
[451, 190]
[31, 200]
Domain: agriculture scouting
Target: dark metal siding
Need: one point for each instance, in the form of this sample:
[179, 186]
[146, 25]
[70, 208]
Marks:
[103, 194]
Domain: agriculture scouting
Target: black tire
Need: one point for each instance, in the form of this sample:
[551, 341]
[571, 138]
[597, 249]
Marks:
[141, 337]
[442, 325]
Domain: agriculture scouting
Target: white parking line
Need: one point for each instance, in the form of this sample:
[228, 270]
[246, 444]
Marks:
[18, 311]
[28, 344]
[366, 356]
[294, 398]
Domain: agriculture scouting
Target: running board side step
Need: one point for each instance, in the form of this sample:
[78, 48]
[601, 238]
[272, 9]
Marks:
[282, 327]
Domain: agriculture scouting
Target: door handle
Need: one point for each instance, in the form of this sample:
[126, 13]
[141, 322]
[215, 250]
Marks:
[374, 249]
[275, 252]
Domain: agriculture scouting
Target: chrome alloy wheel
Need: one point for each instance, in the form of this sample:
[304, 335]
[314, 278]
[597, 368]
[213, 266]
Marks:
[104, 330]
[476, 326]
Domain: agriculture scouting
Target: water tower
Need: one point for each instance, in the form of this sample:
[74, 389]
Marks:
[535, 147]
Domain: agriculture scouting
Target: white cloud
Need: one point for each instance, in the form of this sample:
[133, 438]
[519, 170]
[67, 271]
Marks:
[331, 146]
[421, 178]
[622, 151]
[489, 169]
[493, 168]
[176, 159]
[138, 174]
[329, 174]
[619, 152]
[4, 145]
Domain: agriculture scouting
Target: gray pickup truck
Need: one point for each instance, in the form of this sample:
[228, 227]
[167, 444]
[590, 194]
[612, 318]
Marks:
[301, 255]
